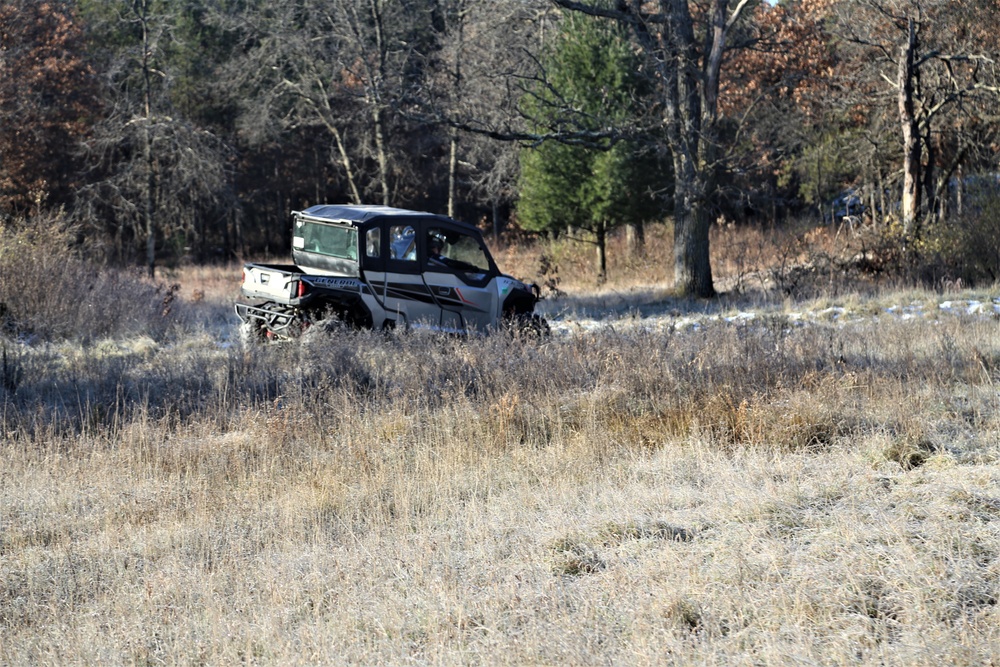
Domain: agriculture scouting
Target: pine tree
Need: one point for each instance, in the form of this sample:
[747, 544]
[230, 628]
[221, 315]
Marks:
[593, 82]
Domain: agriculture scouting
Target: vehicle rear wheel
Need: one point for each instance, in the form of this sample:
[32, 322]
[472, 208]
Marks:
[250, 333]
[322, 329]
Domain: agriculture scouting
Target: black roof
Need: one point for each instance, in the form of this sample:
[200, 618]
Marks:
[364, 212]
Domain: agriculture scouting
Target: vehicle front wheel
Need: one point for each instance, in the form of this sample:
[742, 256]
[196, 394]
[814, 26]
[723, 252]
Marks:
[529, 325]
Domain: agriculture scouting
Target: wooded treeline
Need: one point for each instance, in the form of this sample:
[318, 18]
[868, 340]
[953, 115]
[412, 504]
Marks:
[164, 129]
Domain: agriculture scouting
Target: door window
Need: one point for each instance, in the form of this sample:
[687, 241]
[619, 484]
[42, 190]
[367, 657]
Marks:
[403, 243]
[373, 246]
[456, 251]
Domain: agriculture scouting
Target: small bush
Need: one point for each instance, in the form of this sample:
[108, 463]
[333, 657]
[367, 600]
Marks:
[49, 291]
[952, 251]
[977, 246]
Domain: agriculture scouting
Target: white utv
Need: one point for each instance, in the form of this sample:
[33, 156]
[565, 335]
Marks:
[380, 267]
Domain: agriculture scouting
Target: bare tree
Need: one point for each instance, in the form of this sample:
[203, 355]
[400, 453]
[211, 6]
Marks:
[153, 175]
[931, 64]
[455, 14]
[345, 66]
[48, 98]
[485, 52]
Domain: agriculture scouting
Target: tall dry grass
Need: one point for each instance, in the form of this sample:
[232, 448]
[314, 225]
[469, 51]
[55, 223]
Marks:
[796, 258]
[758, 493]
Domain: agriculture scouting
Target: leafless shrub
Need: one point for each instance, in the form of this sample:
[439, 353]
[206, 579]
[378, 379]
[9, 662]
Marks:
[50, 292]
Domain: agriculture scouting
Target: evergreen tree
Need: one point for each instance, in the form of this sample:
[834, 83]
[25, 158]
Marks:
[592, 81]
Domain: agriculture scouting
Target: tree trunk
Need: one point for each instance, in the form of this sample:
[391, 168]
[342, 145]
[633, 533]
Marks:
[456, 90]
[602, 255]
[380, 154]
[452, 168]
[881, 197]
[150, 212]
[959, 192]
[635, 236]
[911, 136]
[696, 103]
[692, 265]
[345, 162]
[928, 181]
[374, 99]
[692, 222]
[149, 209]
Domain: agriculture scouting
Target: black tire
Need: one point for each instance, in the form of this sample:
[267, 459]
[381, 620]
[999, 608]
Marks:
[528, 325]
[322, 329]
[250, 333]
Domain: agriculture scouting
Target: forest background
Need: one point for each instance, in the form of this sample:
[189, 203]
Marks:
[163, 132]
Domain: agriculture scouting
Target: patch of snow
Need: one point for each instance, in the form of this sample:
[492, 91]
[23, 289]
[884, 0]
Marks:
[833, 312]
[839, 316]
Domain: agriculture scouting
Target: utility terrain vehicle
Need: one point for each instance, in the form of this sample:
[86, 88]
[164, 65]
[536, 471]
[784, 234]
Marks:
[381, 267]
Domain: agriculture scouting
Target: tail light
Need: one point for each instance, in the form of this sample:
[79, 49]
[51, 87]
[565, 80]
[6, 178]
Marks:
[303, 288]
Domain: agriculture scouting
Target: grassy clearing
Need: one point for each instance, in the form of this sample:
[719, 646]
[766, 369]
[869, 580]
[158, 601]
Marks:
[736, 495]
[741, 493]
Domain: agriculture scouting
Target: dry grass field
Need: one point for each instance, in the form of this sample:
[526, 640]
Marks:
[747, 492]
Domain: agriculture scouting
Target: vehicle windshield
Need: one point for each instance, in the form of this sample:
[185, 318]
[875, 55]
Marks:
[331, 240]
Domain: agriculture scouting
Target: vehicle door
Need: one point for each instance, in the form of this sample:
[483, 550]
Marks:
[458, 270]
[373, 260]
[404, 293]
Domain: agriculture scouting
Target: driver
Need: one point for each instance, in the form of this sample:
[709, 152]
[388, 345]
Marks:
[434, 248]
